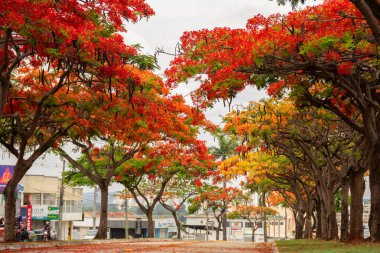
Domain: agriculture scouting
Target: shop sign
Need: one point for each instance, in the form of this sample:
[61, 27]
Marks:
[6, 173]
[44, 212]
[165, 224]
[29, 217]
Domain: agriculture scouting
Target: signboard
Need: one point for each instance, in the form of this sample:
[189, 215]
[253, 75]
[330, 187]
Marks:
[6, 173]
[41, 212]
[138, 226]
[53, 213]
[165, 224]
[29, 217]
[236, 226]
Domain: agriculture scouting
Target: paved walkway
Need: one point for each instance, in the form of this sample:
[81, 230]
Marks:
[148, 246]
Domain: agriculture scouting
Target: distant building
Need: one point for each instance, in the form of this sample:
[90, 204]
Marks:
[164, 226]
[280, 226]
[42, 193]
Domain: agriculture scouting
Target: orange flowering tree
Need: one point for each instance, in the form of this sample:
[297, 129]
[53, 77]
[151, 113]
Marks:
[325, 56]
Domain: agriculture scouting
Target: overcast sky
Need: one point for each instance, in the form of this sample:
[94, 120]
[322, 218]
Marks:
[163, 30]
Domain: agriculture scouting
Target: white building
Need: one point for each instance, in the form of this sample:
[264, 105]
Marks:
[42, 192]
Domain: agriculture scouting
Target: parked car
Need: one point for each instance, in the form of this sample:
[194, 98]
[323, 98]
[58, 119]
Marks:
[39, 234]
[90, 234]
[32, 236]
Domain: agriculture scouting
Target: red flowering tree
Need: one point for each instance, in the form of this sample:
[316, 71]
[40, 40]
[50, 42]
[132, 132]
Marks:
[148, 174]
[49, 52]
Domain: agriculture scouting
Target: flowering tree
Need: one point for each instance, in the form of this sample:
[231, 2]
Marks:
[148, 174]
[254, 214]
[218, 199]
[324, 55]
[50, 51]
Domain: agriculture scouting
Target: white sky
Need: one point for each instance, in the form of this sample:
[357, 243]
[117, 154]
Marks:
[173, 17]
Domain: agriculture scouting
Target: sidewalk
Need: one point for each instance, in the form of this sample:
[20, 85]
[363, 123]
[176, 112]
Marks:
[146, 246]
[35, 245]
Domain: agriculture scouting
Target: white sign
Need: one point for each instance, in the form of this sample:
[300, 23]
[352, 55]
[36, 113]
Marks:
[236, 226]
[40, 211]
[165, 224]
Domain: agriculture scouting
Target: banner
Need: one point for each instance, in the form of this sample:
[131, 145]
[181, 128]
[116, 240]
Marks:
[29, 217]
[6, 173]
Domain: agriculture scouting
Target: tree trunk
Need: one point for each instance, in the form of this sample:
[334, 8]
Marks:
[218, 229]
[224, 217]
[4, 89]
[20, 170]
[149, 215]
[300, 221]
[265, 232]
[356, 206]
[253, 232]
[10, 215]
[102, 229]
[329, 222]
[178, 224]
[374, 182]
[318, 219]
[344, 237]
[331, 226]
[308, 226]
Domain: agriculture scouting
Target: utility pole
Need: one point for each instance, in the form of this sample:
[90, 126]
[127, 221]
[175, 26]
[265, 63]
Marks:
[286, 224]
[94, 211]
[60, 211]
[224, 217]
[207, 225]
[126, 215]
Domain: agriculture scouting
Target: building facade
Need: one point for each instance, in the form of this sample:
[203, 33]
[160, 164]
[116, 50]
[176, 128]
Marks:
[43, 193]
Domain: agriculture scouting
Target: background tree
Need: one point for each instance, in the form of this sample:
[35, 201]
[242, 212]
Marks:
[218, 199]
[254, 214]
[147, 175]
[226, 148]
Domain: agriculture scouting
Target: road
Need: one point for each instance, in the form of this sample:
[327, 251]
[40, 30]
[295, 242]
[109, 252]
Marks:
[150, 247]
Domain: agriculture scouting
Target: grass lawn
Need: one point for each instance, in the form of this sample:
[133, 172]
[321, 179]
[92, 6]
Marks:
[318, 246]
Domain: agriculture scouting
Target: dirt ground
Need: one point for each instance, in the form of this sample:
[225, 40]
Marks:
[150, 247]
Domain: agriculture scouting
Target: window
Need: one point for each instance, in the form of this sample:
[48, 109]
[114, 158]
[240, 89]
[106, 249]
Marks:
[50, 199]
[35, 198]
[249, 224]
[72, 206]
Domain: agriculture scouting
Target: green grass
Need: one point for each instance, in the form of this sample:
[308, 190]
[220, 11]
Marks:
[319, 246]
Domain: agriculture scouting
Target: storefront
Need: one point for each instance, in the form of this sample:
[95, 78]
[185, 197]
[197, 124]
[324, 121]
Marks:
[165, 228]
[41, 214]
